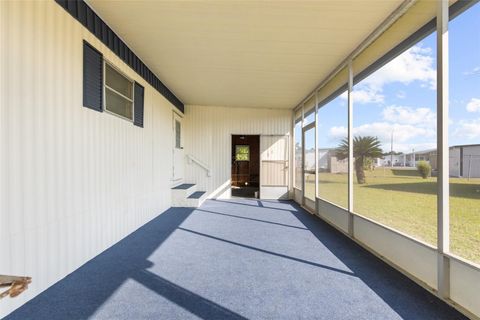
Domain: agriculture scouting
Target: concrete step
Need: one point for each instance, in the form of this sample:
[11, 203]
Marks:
[196, 199]
[184, 186]
[185, 189]
[181, 192]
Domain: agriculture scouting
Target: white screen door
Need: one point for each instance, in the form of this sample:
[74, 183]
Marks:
[178, 153]
[274, 167]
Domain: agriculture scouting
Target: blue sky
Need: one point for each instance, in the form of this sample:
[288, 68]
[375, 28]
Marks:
[401, 96]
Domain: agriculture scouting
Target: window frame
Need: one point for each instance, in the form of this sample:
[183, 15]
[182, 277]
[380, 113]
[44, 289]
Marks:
[107, 87]
[298, 121]
[321, 105]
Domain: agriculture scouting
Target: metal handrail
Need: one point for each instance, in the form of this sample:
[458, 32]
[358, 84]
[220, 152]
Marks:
[200, 163]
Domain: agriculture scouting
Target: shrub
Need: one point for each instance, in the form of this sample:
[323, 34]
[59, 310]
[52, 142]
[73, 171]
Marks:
[424, 168]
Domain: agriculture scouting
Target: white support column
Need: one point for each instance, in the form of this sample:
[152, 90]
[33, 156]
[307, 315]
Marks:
[443, 196]
[316, 148]
[291, 162]
[303, 155]
[350, 149]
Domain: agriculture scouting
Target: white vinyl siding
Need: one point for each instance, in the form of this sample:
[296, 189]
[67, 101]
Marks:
[208, 138]
[73, 181]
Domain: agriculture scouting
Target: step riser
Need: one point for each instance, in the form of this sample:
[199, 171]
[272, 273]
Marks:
[194, 203]
[180, 197]
[189, 203]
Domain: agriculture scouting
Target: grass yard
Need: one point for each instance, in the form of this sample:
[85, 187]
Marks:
[402, 200]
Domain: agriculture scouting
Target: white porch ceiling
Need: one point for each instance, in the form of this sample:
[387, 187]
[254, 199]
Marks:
[243, 53]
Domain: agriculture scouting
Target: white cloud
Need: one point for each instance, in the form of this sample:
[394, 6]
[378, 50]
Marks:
[406, 123]
[365, 95]
[407, 115]
[401, 135]
[474, 71]
[408, 147]
[383, 131]
[337, 133]
[401, 94]
[469, 129]
[415, 64]
[473, 105]
[409, 126]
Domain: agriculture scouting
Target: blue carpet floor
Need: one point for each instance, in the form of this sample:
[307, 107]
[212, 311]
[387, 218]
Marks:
[236, 259]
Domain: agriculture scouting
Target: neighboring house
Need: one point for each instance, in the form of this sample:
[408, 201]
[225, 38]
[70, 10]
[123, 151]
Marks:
[429, 155]
[464, 160]
[323, 156]
[398, 160]
[310, 160]
[328, 161]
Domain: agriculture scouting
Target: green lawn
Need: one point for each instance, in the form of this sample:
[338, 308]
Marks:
[404, 201]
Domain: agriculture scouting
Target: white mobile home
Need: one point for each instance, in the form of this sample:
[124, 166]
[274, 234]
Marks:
[465, 161]
[163, 160]
[396, 160]
[329, 162]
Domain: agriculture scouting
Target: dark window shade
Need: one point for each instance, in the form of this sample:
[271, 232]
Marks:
[92, 78]
[138, 105]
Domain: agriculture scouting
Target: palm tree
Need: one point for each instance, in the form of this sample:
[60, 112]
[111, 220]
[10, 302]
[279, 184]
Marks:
[363, 148]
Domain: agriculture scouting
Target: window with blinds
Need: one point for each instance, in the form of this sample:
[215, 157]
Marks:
[118, 93]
